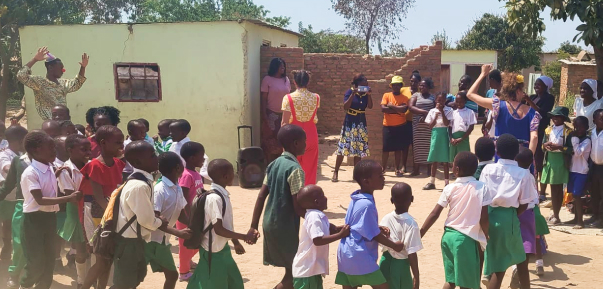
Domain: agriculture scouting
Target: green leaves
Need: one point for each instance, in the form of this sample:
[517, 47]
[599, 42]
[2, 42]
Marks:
[327, 41]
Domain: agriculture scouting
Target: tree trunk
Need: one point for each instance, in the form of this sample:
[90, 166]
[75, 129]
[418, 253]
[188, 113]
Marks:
[367, 39]
[599, 60]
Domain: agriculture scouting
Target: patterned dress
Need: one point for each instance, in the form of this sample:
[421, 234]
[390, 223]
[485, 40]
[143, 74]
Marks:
[354, 133]
[420, 130]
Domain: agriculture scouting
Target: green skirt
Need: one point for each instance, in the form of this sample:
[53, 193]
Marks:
[463, 146]
[396, 271]
[70, 229]
[438, 150]
[7, 209]
[542, 228]
[314, 282]
[555, 171]
[461, 259]
[224, 273]
[505, 246]
[371, 279]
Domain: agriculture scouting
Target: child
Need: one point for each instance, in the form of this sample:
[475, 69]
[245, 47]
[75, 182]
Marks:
[438, 119]
[555, 172]
[396, 266]
[284, 179]
[170, 203]
[60, 113]
[510, 198]
[78, 149]
[179, 130]
[394, 105]
[357, 253]
[67, 128]
[97, 117]
[147, 138]
[136, 131]
[485, 151]
[311, 262]
[163, 132]
[466, 227]
[463, 121]
[52, 128]
[596, 169]
[578, 175]
[102, 175]
[136, 200]
[58, 163]
[223, 271]
[192, 186]
[39, 187]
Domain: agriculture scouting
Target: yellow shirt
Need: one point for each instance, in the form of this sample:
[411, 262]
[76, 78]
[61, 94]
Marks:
[406, 92]
[304, 102]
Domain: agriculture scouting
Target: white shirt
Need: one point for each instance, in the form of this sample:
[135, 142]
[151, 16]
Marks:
[462, 118]
[511, 184]
[169, 202]
[556, 136]
[435, 113]
[492, 131]
[581, 155]
[213, 213]
[38, 176]
[312, 260]
[72, 182]
[58, 163]
[3, 144]
[177, 146]
[128, 169]
[466, 197]
[136, 199]
[596, 153]
[587, 111]
[403, 228]
[6, 158]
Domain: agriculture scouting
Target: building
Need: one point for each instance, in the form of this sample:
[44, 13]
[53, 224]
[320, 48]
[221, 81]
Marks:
[573, 72]
[205, 72]
[456, 63]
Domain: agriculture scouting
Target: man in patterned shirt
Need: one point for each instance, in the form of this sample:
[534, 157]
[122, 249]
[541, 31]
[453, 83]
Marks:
[51, 89]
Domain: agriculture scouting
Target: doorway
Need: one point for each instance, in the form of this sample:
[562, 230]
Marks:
[445, 78]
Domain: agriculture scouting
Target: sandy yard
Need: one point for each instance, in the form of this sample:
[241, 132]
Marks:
[573, 261]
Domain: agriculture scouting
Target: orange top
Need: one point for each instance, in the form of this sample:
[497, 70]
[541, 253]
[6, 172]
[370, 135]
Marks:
[394, 119]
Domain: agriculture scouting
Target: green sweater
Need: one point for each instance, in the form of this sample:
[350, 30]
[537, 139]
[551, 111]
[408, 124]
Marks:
[13, 178]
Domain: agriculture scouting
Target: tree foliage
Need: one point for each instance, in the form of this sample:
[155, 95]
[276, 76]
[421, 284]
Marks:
[374, 20]
[516, 50]
[327, 41]
[567, 47]
[442, 36]
[394, 50]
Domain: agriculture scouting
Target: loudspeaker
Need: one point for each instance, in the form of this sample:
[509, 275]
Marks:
[251, 163]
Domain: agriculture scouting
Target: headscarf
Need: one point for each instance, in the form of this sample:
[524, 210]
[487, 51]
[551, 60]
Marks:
[547, 81]
[593, 85]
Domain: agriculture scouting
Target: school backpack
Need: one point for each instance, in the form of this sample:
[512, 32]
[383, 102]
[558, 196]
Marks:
[197, 223]
[104, 237]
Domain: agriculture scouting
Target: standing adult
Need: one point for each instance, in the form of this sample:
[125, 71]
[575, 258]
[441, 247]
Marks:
[353, 141]
[394, 106]
[420, 104]
[299, 108]
[415, 79]
[49, 90]
[588, 103]
[274, 87]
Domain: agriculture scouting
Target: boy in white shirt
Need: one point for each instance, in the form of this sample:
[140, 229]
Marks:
[396, 266]
[463, 121]
[311, 261]
[179, 130]
[466, 227]
[578, 176]
[39, 187]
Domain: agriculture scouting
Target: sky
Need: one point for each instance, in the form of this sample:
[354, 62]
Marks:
[424, 19]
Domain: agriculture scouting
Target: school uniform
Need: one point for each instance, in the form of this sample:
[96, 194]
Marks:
[512, 186]
[7, 206]
[462, 119]
[224, 271]
[311, 262]
[596, 170]
[169, 201]
[480, 168]
[394, 265]
[578, 176]
[177, 146]
[39, 226]
[129, 260]
[439, 146]
[463, 236]
[555, 170]
[72, 230]
[163, 145]
[527, 226]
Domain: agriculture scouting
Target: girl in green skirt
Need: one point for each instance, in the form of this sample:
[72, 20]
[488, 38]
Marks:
[555, 147]
[438, 119]
[463, 121]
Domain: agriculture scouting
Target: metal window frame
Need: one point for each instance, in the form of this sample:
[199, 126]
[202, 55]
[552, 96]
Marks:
[136, 64]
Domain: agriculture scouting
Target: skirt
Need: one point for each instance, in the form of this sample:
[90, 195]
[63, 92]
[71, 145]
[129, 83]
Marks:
[396, 271]
[421, 134]
[438, 150]
[505, 247]
[72, 229]
[542, 228]
[353, 141]
[555, 172]
[463, 146]
[394, 139]
[461, 259]
[527, 225]
[224, 272]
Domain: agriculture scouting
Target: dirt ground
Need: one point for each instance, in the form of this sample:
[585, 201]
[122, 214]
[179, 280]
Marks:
[572, 260]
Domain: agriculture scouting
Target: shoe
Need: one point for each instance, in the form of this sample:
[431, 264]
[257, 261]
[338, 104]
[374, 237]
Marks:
[542, 198]
[12, 284]
[185, 277]
[429, 186]
[515, 280]
[335, 177]
[554, 221]
[540, 271]
[486, 280]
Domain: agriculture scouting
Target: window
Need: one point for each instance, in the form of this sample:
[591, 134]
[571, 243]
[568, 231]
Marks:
[137, 82]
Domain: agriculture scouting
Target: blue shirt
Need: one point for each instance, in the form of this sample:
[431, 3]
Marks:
[357, 253]
[490, 93]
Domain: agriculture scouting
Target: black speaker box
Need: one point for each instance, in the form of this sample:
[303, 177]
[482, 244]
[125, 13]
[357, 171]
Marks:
[251, 163]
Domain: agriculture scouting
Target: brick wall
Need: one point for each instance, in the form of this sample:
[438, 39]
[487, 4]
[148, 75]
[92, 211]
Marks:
[572, 75]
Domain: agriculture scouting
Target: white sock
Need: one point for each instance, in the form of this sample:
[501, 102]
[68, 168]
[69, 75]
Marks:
[514, 267]
[432, 180]
[539, 263]
[82, 270]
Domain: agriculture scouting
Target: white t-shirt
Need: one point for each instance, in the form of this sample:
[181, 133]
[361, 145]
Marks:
[213, 212]
[403, 228]
[466, 197]
[596, 152]
[38, 176]
[462, 118]
[587, 111]
[581, 155]
[67, 182]
[436, 112]
[556, 136]
[312, 260]
[492, 131]
[511, 184]
[6, 158]
[169, 201]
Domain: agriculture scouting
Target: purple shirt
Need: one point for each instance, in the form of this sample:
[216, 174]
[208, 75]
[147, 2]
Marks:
[276, 88]
[357, 253]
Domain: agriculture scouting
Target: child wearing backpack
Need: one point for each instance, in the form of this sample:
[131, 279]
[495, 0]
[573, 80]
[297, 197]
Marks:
[217, 268]
[39, 187]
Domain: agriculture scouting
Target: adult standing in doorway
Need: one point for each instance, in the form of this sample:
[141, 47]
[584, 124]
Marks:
[299, 108]
[49, 90]
[420, 104]
[588, 103]
[274, 87]
[353, 141]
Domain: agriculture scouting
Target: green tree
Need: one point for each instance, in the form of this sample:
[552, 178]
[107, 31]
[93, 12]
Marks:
[553, 70]
[394, 50]
[446, 42]
[567, 47]
[376, 20]
[327, 41]
[516, 50]
[525, 16]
